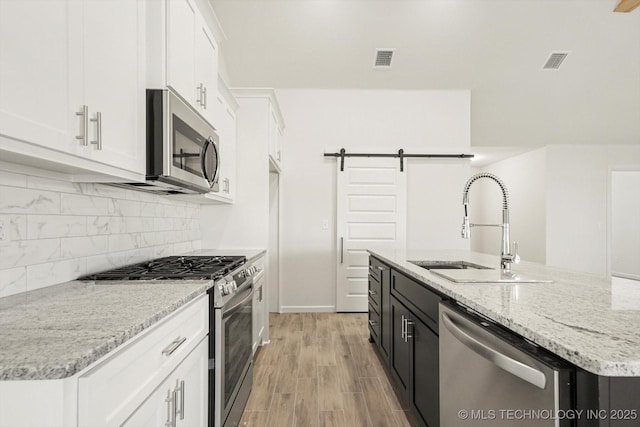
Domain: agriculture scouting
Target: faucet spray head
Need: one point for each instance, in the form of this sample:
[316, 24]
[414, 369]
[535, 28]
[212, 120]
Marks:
[466, 229]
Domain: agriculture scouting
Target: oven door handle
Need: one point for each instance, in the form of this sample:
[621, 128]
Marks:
[229, 311]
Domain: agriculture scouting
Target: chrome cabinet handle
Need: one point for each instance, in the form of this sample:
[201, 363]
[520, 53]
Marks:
[408, 334]
[171, 415]
[514, 367]
[381, 268]
[84, 113]
[199, 89]
[372, 323]
[98, 121]
[403, 329]
[372, 292]
[179, 389]
[204, 97]
[168, 350]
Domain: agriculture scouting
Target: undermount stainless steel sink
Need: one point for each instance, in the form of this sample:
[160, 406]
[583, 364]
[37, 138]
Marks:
[467, 272]
[449, 265]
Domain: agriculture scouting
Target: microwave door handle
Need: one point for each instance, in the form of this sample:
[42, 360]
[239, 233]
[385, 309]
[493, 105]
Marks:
[203, 163]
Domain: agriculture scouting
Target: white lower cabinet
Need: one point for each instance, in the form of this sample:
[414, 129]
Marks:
[181, 400]
[114, 389]
[129, 385]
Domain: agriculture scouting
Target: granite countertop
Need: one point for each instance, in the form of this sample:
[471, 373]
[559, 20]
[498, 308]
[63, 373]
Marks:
[55, 332]
[590, 320]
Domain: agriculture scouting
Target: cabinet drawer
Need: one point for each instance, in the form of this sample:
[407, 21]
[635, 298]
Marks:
[374, 293]
[375, 268]
[111, 390]
[374, 323]
[411, 292]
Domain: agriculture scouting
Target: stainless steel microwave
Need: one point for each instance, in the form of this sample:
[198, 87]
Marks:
[182, 148]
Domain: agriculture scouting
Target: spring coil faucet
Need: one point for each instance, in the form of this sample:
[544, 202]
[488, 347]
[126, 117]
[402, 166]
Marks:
[506, 257]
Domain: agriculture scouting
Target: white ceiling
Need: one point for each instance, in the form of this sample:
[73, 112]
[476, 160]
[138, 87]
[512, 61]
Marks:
[495, 48]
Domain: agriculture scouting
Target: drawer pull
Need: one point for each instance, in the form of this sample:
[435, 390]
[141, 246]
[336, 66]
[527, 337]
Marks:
[168, 350]
[372, 323]
[372, 292]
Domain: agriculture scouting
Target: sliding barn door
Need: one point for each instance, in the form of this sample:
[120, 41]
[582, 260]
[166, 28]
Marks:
[371, 214]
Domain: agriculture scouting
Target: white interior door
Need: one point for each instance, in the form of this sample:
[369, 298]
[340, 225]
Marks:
[371, 214]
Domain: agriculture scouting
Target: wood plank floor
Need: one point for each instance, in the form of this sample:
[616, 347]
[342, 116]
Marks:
[321, 370]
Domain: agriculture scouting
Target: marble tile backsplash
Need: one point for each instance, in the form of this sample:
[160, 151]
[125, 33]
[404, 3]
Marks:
[60, 230]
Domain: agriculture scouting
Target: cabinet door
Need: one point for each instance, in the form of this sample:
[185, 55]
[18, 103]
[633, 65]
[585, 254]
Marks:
[195, 393]
[206, 73]
[400, 361]
[114, 81]
[36, 106]
[227, 132]
[181, 20]
[183, 395]
[230, 152]
[425, 365]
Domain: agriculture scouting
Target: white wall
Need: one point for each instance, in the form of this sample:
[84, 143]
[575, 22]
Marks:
[525, 178]
[577, 202]
[560, 197]
[625, 223]
[319, 120]
[61, 231]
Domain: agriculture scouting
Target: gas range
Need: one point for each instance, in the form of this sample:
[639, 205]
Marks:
[230, 321]
[174, 268]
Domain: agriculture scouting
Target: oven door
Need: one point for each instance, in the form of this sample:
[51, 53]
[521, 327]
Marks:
[191, 149]
[233, 353]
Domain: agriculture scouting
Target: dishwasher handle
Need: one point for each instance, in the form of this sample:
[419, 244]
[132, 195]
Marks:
[525, 372]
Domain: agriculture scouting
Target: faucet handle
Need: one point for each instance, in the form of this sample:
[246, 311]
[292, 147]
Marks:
[516, 257]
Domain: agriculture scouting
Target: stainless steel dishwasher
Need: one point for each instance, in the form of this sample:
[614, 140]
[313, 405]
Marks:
[491, 377]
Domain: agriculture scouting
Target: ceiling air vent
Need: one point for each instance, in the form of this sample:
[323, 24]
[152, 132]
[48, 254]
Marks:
[555, 60]
[383, 58]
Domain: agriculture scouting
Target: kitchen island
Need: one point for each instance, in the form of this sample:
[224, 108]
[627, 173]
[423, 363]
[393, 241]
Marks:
[588, 320]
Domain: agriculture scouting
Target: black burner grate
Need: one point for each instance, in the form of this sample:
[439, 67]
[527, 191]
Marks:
[174, 268]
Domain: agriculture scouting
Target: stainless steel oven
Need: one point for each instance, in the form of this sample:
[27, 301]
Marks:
[231, 371]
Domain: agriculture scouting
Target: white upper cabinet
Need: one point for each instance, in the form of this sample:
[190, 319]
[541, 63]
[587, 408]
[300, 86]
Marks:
[72, 86]
[114, 85]
[227, 106]
[192, 58]
[269, 126]
[36, 95]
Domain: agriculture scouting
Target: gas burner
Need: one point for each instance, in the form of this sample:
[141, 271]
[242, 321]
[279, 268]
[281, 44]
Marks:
[174, 268]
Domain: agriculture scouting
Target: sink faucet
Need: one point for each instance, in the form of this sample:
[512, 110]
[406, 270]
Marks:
[506, 257]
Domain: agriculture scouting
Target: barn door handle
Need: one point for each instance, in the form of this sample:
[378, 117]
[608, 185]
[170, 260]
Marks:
[341, 250]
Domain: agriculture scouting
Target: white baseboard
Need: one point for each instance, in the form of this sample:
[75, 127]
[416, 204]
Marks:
[308, 309]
